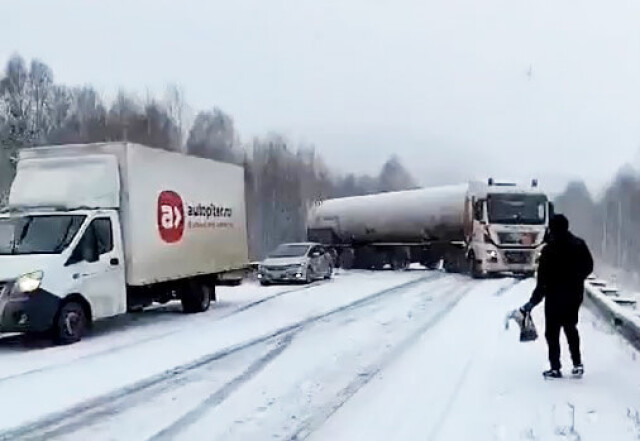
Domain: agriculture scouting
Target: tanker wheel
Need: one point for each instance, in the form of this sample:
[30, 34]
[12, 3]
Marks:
[346, 259]
[399, 264]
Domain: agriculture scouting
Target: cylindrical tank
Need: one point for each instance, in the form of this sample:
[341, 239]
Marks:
[412, 216]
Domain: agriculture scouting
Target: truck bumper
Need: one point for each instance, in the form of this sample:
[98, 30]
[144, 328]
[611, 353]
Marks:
[493, 268]
[513, 261]
[34, 312]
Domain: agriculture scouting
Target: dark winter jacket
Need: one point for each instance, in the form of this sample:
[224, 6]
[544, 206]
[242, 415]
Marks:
[564, 265]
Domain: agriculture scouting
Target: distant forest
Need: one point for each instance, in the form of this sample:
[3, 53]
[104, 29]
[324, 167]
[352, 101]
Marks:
[611, 223]
[282, 179]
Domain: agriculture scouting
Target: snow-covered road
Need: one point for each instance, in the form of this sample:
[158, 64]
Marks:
[375, 356]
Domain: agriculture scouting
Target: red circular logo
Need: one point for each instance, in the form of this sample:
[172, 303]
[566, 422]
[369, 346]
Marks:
[170, 216]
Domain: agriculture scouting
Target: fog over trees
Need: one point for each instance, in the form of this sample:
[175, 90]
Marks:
[282, 179]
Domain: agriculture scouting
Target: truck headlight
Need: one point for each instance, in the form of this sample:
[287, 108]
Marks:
[537, 255]
[29, 282]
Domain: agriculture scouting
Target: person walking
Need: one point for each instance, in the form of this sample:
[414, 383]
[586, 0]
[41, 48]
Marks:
[565, 263]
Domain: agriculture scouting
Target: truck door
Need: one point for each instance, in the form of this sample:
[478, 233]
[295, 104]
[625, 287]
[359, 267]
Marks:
[98, 266]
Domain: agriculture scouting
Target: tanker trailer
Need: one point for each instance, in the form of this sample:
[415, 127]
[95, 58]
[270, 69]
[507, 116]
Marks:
[481, 228]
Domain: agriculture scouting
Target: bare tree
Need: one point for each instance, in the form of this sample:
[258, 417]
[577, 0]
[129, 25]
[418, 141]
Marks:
[394, 177]
[177, 109]
[213, 136]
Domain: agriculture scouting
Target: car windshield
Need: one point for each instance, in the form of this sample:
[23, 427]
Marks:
[290, 250]
[517, 209]
[47, 234]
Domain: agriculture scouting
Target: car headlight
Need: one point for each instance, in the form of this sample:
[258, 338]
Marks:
[29, 282]
[493, 254]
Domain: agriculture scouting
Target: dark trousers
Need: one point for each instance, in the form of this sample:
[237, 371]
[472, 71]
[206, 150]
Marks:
[567, 320]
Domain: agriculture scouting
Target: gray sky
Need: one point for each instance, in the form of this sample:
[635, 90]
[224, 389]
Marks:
[444, 84]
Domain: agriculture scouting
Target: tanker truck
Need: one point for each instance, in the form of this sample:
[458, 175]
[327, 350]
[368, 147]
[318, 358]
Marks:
[480, 227]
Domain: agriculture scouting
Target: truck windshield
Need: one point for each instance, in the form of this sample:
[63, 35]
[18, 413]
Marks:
[517, 209]
[290, 250]
[47, 234]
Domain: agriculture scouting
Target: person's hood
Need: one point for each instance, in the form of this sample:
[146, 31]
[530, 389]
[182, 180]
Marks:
[284, 261]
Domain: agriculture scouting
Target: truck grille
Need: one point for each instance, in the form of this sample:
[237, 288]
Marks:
[518, 257]
[525, 239]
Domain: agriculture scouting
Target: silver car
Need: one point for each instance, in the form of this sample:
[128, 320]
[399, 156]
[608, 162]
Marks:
[296, 262]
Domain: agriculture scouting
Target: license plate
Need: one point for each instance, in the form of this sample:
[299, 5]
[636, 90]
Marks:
[517, 257]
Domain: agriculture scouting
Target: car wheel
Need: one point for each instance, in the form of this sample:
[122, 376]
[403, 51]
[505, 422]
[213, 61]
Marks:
[70, 324]
[308, 277]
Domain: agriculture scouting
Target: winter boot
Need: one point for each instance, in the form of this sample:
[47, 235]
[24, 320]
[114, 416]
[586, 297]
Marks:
[578, 371]
[552, 373]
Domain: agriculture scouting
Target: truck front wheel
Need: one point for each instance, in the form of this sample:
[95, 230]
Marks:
[70, 324]
[474, 269]
[198, 296]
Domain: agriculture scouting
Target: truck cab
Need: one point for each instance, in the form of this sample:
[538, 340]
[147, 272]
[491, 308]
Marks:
[507, 227]
[54, 258]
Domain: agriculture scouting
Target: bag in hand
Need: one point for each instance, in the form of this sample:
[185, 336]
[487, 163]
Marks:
[525, 321]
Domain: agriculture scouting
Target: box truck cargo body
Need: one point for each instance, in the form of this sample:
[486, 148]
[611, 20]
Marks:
[94, 230]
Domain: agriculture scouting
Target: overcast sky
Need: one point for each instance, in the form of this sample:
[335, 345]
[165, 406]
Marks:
[457, 88]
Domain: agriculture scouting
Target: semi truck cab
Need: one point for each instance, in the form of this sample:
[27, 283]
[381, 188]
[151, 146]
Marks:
[49, 257]
[507, 229]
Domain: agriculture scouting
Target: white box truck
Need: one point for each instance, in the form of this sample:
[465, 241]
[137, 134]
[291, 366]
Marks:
[96, 230]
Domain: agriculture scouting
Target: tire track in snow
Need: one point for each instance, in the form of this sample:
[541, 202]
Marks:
[314, 422]
[142, 341]
[220, 395]
[435, 432]
[509, 287]
[65, 421]
[207, 405]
